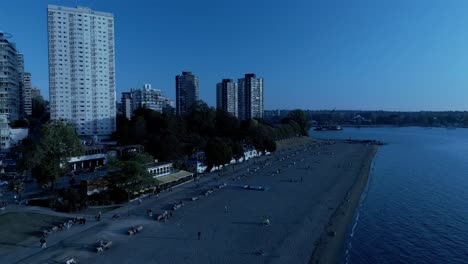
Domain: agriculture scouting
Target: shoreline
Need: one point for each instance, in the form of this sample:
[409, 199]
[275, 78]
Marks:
[331, 244]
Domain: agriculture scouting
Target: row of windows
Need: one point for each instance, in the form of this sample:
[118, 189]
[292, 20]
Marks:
[56, 14]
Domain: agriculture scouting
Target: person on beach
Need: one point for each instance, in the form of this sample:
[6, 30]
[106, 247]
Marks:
[226, 209]
[199, 235]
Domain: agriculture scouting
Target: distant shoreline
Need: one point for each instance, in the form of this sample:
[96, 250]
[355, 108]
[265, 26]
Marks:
[395, 126]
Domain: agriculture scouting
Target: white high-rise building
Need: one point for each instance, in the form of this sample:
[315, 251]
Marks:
[226, 97]
[82, 69]
[250, 93]
[11, 78]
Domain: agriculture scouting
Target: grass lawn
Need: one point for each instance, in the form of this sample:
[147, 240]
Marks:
[18, 229]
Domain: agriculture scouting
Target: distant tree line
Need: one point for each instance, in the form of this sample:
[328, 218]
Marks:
[392, 118]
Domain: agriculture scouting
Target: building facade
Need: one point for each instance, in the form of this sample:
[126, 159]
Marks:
[250, 94]
[186, 92]
[146, 97]
[20, 59]
[10, 137]
[159, 169]
[82, 69]
[126, 105]
[35, 92]
[149, 98]
[227, 97]
[26, 98]
[11, 78]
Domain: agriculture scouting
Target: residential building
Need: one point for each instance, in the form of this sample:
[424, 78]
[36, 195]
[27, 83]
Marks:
[20, 60]
[35, 92]
[226, 97]
[250, 97]
[10, 137]
[82, 69]
[186, 92]
[11, 78]
[146, 97]
[126, 105]
[26, 95]
[149, 98]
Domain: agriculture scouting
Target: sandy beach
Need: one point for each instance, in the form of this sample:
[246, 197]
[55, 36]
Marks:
[310, 204]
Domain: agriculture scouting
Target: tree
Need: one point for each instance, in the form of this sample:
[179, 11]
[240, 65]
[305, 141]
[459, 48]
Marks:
[201, 119]
[217, 152]
[301, 119]
[270, 145]
[58, 142]
[237, 150]
[143, 158]
[39, 109]
[16, 186]
[131, 175]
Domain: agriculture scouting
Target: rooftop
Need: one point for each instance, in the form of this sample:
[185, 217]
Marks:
[79, 9]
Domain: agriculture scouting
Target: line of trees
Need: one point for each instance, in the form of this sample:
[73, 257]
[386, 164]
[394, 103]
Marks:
[219, 134]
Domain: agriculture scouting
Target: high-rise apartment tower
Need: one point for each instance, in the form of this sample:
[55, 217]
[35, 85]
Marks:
[250, 92]
[82, 69]
[186, 92]
[226, 96]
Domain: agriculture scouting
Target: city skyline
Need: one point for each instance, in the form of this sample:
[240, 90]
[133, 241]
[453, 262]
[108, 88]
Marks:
[327, 55]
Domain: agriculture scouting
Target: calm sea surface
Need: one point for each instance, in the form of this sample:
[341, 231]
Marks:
[415, 208]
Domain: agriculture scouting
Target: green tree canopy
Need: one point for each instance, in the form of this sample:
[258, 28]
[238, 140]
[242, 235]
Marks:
[131, 175]
[301, 119]
[217, 152]
[58, 142]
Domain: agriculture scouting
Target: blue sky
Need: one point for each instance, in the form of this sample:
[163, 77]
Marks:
[370, 55]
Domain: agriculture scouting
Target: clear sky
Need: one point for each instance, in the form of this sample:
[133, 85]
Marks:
[313, 54]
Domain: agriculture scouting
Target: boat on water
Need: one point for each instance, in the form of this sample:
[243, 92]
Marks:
[328, 128]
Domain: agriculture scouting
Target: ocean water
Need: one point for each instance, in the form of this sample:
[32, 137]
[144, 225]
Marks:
[415, 207]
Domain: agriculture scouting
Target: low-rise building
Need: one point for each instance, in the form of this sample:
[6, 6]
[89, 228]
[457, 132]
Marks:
[125, 152]
[10, 137]
[95, 156]
[159, 169]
